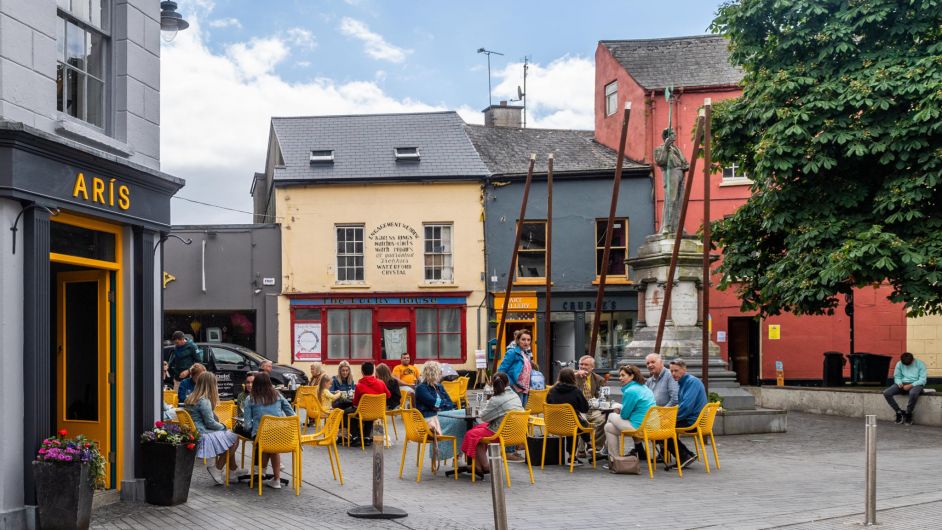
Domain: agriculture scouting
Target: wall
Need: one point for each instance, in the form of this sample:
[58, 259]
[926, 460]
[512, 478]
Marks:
[309, 242]
[924, 340]
[11, 355]
[846, 402]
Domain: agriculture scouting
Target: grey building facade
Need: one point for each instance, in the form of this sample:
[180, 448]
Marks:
[84, 207]
[224, 286]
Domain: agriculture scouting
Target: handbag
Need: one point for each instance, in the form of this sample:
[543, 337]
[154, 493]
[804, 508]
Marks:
[624, 465]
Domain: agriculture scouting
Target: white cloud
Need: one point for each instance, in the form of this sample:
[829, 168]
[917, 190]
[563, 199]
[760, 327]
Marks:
[225, 23]
[559, 95]
[373, 43]
[258, 56]
[301, 37]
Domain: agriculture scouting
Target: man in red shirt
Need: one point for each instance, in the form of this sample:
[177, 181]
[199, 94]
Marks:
[368, 384]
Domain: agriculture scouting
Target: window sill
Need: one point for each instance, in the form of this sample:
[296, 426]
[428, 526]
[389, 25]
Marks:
[613, 281]
[87, 135]
[437, 286]
[351, 286]
[735, 182]
[531, 281]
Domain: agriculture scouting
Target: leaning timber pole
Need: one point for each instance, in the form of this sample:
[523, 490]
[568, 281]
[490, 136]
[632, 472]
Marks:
[610, 228]
[513, 259]
[665, 307]
[547, 344]
[707, 163]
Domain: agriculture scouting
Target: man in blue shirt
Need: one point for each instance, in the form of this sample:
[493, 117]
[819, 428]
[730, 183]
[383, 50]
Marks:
[909, 377]
[187, 385]
[691, 398]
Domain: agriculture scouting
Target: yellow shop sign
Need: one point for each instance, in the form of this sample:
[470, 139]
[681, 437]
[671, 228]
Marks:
[96, 189]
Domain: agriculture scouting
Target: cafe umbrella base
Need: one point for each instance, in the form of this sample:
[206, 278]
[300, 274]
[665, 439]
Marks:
[167, 470]
[64, 494]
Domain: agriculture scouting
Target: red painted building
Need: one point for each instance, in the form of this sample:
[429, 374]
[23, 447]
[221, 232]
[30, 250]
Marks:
[697, 68]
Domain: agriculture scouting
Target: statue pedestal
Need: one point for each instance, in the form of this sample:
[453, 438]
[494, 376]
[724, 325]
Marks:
[683, 331]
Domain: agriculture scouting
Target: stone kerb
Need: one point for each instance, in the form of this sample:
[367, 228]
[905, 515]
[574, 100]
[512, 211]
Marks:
[846, 402]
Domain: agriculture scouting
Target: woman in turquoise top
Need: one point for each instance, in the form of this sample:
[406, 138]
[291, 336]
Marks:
[636, 399]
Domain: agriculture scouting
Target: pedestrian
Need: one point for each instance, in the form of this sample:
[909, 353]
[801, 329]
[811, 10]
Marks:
[909, 377]
[215, 439]
[517, 364]
[185, 354]
[266, 401]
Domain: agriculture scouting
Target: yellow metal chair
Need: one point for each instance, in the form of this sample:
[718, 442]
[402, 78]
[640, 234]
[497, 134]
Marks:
[659, 425]
[418, 431]
[703, 426]
[278, 435]
[561, 420]
[307, 399]
[453, 388]
[186, 423]
[463, 391]
[372, 407]
[535, 402]
[225, 412]
[171, 398]
[405, 402]
[512, 431]
[327, 437]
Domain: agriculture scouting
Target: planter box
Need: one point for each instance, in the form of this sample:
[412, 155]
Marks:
[167, 470]
[63, 495]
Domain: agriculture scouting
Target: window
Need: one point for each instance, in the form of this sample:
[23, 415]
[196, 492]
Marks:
[438, 267]
[531, 255]
[735, 172]
[322, 155]
[438, 333]
[349, 254]
[407, 153]
[616, 331]
[618, 251]
[350, 334]
[224, 356]
[611, 98]
[81, 39]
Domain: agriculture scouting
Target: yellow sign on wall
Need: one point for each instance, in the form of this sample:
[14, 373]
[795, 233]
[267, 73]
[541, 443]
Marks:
[519, 301]
[775, 332]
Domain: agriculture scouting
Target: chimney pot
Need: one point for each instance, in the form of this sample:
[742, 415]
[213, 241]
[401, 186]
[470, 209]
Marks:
[503, 115]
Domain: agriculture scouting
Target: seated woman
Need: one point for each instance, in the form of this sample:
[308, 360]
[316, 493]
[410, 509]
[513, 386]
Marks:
[215, 438]
[266, 401]
[565, 391]
[324, 396]
[431, 397]
[636, 399]
[317, 373]
[503, 401]
[384, 374]
[343, 382]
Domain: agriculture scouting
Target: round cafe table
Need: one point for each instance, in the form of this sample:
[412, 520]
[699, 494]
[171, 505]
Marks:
[454, 423]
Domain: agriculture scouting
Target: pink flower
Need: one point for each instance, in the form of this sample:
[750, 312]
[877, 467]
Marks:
[63, 433]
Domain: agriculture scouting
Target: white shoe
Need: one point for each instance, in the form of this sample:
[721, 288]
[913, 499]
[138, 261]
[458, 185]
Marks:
[274, 483]
[216, 474]
[240, 472]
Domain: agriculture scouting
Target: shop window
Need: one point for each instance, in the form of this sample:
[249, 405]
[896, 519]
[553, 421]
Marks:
[350, 254]
[81, 42]
[438, 333]
[82, 242]
[616, 330]
[349, 334]
[531, 254]
[615, 267]
[611, 98]
[438, 264]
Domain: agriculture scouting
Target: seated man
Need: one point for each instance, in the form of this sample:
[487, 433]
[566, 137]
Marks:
[691, 398]
[406, 373]
[368, 384]
[909, 377]
[189, 383]
[589, 382]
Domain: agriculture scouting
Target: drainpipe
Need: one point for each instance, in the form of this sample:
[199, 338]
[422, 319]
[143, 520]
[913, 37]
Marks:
[484, 279]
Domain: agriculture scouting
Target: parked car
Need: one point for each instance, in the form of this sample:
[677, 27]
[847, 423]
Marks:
[231, 362]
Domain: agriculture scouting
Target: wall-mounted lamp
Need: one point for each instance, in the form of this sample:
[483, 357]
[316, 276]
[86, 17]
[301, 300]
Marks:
[170, 21]
[14, 229]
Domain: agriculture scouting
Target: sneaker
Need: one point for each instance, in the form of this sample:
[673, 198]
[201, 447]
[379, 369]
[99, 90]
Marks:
[274, 484]
[899, 416]
[240, 472]
[689, 460]
[577, 463]
[216, 474]
[908, 418]
[514, 457]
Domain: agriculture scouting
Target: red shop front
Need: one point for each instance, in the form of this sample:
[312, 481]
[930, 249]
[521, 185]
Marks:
[360, 327]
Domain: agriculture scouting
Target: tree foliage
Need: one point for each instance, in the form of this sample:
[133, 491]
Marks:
[840, 126]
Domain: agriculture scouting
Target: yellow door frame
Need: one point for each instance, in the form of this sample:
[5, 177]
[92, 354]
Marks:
[117, 415]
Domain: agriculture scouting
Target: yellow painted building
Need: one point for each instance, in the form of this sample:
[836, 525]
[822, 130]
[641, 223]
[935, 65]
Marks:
[924, 340]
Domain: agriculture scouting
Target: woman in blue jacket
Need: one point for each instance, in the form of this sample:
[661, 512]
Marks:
[431, 397]
[517, 364]
[266, 401]
[636, 399]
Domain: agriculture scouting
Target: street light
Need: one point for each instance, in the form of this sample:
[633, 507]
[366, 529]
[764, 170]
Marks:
[490, 100]
[170, 21]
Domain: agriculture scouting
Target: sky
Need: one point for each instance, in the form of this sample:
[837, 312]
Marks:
[242, 62]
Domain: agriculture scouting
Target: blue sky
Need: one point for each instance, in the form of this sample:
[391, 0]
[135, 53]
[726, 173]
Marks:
[243, 61]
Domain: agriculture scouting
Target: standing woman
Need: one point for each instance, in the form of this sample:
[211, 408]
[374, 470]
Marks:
[384, 374]
[517, 364]
[266, 401]
[215, 438]
[431, 397]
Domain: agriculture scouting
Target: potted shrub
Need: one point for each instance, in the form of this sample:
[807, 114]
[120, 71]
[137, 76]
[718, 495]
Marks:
[169, 452]
[66, 472]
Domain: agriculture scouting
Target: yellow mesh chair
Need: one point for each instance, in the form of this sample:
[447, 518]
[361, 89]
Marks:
[372, 407]
[453, 388]
[307, 399]
[561, 420]
[512, 431]
[327, 437]
[186, 423]
[659, 425]
[406, 401]
[535, 402]
[172, 398]
[279, 435]
[703, 426]
[225, 412]
[418, 431]
[463, 391]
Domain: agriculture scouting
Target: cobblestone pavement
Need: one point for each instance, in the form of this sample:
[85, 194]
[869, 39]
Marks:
[811, 477]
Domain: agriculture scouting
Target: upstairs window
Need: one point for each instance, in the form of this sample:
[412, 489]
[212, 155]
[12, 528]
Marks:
[531, 255]
[407, 154]
[438, 264]
[611, 98]
[81, 42]
[735, 173]
[350, 254]
[615, 267]
[322, 156]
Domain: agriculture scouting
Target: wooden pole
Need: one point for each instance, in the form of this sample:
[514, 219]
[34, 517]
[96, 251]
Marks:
[609, 229]
[513, 259]
[548, 343]
[707, 168]
[668, 289]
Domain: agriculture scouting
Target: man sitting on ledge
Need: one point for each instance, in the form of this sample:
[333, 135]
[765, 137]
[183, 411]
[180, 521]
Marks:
[909, 377]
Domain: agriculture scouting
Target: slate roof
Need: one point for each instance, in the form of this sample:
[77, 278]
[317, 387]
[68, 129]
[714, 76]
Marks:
[681, 61]
[506, 150]
[363, 147]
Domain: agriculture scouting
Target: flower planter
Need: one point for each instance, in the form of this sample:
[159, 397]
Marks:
[64, 494]
[167, 470]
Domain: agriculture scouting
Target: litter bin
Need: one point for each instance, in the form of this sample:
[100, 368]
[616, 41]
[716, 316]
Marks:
[834, 362]
[869, 368]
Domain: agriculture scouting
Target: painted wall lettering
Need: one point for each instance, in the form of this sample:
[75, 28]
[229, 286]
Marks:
[394, 246]
[101, 192]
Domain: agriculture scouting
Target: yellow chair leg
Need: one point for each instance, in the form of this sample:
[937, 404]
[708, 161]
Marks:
[259, 471]
[701, 450]
[503, 453]
[418, 477]
[648, 449]
[386, 432]
[592, 436]
[362, 436]
[526, 452]
[680, 468]
[474, 466]
[454, 459]
[403, 464]
[543, 459]
[572, 452]
[716, 457]
[330, 455]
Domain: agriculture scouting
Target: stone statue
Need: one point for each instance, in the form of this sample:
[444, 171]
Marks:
[673, 166]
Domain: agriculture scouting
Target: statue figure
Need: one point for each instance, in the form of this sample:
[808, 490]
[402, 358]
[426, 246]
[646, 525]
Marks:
[673, 166]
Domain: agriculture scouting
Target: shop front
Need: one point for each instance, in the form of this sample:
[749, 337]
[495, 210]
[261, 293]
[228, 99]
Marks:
[81, 299]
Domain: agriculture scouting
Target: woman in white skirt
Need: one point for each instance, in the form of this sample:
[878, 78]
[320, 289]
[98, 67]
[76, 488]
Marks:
[215, 438]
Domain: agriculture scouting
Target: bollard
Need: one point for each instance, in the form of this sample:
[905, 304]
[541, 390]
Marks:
[377, 510]
[497, 486]
[870, 443]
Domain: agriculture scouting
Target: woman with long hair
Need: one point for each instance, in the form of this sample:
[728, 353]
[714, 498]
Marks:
[266, 401]
[384, 374]
[215, 439]
[324, 396]
[491, 417]
[431, 397]
[344, 383]
[517, 364]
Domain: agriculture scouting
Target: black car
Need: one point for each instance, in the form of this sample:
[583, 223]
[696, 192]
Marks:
[230, 363]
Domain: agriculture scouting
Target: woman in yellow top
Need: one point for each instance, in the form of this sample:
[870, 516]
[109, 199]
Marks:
[406, 373]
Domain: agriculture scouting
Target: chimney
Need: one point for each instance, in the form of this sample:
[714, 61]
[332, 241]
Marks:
[503, 115]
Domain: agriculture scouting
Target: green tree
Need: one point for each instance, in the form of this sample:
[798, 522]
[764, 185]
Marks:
[840, 126]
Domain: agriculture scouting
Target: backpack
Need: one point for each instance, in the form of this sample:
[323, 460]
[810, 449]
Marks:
[537, 381]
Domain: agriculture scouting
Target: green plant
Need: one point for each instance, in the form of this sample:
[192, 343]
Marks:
[171, 434]
[713, 397]
[61, 448]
